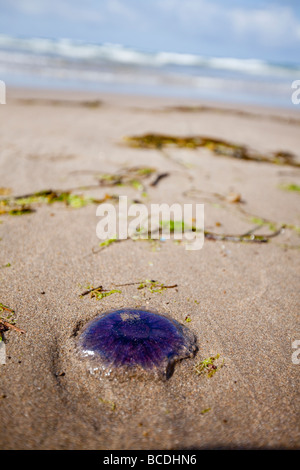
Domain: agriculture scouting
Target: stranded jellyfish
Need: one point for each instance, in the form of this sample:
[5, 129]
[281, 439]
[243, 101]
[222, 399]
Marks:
[133, 342]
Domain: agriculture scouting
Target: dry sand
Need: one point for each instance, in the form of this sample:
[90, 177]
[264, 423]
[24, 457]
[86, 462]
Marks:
[242, 298]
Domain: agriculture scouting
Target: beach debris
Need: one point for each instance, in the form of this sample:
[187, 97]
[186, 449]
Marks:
[5, 191]
[207, 196]
[206, 410]
[4, 308]
[157, 234]
[211, 197]
[19, 205]
[174, 226]
[108, 242]
[233, 197]
[247, 237]
[284, 158]
[159, 177]
[99, 293]
[7, 322]
[217, 146]
[290, 187]
[91, 104]
[129, 342]
[7, 319]
[208, 366]
[7, 265]
[110, 403]
[133, 177]
[154, 286]
[5, 325]
[21, 211]
[232, 111]
[150, 284]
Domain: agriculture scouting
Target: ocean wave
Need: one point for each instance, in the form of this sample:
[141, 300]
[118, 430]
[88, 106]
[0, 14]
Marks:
[22, 66]
[47, 50]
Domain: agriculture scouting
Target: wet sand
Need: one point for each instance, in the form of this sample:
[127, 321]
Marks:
[242, 298]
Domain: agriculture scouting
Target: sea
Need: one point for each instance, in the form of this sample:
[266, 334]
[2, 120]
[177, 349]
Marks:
[63, 63]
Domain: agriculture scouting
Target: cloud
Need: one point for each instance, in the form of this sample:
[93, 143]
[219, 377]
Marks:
[43, 10]
[76, 10]
[271, 24]
[121, 8]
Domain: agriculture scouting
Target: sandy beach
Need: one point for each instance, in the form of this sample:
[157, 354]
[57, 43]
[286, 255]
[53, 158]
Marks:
[239, 296]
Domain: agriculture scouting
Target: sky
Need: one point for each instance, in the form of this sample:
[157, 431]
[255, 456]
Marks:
[268, 30]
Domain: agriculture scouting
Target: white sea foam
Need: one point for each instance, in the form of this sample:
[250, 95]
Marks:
[69, 50]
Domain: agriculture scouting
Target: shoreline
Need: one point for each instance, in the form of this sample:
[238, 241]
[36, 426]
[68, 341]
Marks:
[144, 99]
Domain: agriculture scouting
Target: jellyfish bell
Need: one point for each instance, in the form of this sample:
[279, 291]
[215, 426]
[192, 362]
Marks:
[134, 342]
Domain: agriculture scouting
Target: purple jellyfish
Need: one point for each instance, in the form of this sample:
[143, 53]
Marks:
[132, 340]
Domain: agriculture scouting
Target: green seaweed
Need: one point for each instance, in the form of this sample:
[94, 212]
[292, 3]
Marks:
[16, 212]
[133, 177]
[75, 200]
[175, 226]
[154, 286]
[257, 221]
[217, 146]
[20, 205]
[296, 228]
[109, 241]
[290, 187]
[208, 367]
[151, 285]
[264, 222]
[5, 308]
[137, 185]
[7, 265]
[98, 292]
[108, 402]
[6, 318]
